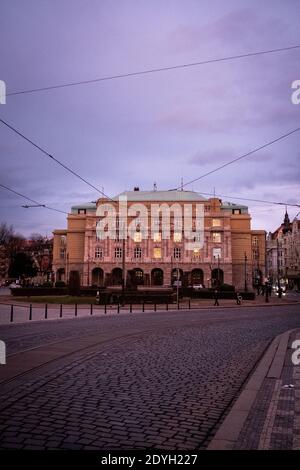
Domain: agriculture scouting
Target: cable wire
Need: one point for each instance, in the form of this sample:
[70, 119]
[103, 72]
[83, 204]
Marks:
[155, 70]
[239, 158]
[31, 200]
[53, 158]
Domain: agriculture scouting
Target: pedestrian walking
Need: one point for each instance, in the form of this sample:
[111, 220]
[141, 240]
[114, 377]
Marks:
[216, 297]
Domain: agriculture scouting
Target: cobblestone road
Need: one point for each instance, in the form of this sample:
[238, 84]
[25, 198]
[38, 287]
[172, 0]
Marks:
[166, 387]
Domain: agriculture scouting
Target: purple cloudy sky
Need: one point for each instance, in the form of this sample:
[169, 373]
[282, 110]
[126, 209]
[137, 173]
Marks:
[153, 128]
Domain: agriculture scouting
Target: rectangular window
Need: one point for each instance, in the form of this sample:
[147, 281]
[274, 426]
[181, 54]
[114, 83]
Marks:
[196, 253]
[137, 237]
[157, 253]
[216, 236]
[62, 253]
[177, 253]
[236, 211]
[118, 252]
[217, 253]
[137, 252]
[216, 222]
[157, 237]
[177, 237]
[98, 252]
[81, 211]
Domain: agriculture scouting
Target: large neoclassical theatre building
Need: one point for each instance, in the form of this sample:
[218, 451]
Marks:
[230, 252]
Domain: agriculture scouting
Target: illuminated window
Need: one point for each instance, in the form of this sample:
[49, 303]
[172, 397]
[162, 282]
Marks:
[157, 253]
[177, 253]
[137, 237]
[98, 252]
[118, 252]
[216, 237]
[157, 237]
[216, 222]
[177, 237]
[196, 253]
[137, 252]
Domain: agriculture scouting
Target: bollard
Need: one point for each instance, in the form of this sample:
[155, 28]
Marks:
[75, 310]
[189, 304]
[105, 307]
[91, 311]
[143, 307]
[60, 311]
[130, 308]
[30, 312]
[178, 305]
[46, 311]
[118, 307]
[155, 307]
[11, 313]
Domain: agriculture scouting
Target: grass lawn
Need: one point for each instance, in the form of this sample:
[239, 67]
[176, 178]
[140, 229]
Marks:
[57, 299]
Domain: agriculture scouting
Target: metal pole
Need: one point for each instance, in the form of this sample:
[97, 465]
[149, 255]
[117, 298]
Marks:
[60, 311]
[11, 313]
[278, 266]
[246, 287]
[46, 311]
[30, 312]
[123, 267]
[177, 292]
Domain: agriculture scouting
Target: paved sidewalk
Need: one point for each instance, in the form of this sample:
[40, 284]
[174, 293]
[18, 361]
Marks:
[266, 415]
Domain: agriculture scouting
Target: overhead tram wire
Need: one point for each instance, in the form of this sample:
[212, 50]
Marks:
[257, 149]
[154, 70]
[38, 204]
[54, 159]
[279, 203]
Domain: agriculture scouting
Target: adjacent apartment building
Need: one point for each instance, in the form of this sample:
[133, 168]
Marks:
[231, 252]
[283, 253]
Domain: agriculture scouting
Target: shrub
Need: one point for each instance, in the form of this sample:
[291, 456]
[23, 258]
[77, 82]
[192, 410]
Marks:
[60, 284]
[227, 288]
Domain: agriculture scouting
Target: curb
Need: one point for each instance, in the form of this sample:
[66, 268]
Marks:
[269, 366]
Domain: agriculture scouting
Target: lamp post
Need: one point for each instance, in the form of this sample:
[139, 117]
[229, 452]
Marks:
[177, 290]
[245, 271]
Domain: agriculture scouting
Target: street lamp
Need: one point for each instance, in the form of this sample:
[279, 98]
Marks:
[245, 270]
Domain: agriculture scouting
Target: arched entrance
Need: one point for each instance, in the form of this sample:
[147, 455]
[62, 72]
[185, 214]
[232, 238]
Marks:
[116, 277]
[60, 274]
[174, 275]
[97, 277]
[197, 277]
[157, 277]
[138, 275]
[217, 277]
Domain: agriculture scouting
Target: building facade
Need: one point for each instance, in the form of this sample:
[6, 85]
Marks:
[232, 253]
[283, 254]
